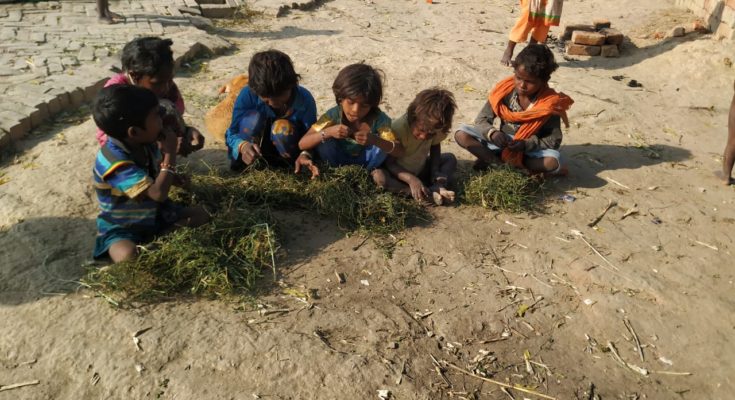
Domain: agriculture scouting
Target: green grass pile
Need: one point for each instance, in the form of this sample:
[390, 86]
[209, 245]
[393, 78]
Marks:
[502, 189]
[222, 258]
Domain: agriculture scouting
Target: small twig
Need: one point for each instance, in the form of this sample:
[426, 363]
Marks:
[19, 385]
[706, 245]
[630, 211]
[361, 243]
[440, 370]
[619, 359]
[401, 372]
[265, 312]
[501, 384]
[610, 204]
[615, 182]
[672, 373]
[635, 337]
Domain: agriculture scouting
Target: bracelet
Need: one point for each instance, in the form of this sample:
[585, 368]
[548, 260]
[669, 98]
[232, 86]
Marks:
[306, 154]
[392, 148]
[169, 167]
[168, 170]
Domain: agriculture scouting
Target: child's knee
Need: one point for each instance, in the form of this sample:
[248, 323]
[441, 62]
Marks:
[551, 164]
[449, 160]
[462, 138]
[123, 250]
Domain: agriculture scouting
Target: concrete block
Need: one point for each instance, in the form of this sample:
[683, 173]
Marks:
[217, 10]
[601, 23]
[613, 36]
[211, 2]
[609, 50]
[86, 54]
[588, 38]
[191, 11]
[16, 124]
[583, 50]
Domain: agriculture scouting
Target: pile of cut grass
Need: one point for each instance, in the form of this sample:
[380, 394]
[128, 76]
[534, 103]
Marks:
[226, 256]
[220, 259]
[502, 189]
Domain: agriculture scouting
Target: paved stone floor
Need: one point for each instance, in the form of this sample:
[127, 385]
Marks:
[54, 55]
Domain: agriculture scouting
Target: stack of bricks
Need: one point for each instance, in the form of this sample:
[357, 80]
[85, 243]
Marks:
[718, 15]
[597, 39]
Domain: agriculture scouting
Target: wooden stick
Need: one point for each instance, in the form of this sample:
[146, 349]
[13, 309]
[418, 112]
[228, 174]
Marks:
[619, 359]
[501, 384]
[672, 373]
[19, 385]
[610, 204]
[615, 182]
[635, 337]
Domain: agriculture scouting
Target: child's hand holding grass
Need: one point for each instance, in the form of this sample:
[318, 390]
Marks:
[337, 132]
[419, 192]
[363, 135]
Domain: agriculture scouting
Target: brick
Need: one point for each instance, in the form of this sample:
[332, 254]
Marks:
[583, 50]
[38, 37]
[16, 124]
[14, 16]
[569, 29]
[211, 2]
[86, 54]
[588, 38]
[191, 10]
[613, 36]
[601, 23]
[217, 10]
[609, 50]
[725, 32]
[7, 34]
[4, 139]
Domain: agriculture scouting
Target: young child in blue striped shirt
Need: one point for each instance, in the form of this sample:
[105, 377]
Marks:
[133, 173]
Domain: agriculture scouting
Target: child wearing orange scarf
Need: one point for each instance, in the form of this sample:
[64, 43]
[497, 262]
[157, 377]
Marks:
[530, 114]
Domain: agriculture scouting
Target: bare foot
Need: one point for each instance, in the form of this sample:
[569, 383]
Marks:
[106, 20]
[114, 15]
[721, 176]
[442, 196]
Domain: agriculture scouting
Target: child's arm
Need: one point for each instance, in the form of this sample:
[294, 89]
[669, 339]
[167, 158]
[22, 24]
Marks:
[316, 136]
[238, 143]
[418, 191]
[385, 139]
[551, 141]
[729, 156]
[158, 191]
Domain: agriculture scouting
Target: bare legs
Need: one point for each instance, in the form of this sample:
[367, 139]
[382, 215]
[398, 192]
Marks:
[441, 195]
[508, 54]
[104, 14]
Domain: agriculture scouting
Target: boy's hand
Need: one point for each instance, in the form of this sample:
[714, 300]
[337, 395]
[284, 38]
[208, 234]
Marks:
[499, 139]
[419, 192]
[249, 152]
[182, 181]
[517, 145]
[364, 137]
[337, 132]
[168, 142]
[306, 162]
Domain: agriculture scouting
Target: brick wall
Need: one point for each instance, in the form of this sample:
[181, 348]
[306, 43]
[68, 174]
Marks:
[718, 15]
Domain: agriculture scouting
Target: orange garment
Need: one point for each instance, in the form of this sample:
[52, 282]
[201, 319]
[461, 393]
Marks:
[536, 23]
[548, 103]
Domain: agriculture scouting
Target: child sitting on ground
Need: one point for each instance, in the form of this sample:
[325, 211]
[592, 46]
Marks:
[131, 176]
[355, 131]
[530, 125]
[148, 62]
[537, 16]
[421, 170]
[728, 158]
[270, 115]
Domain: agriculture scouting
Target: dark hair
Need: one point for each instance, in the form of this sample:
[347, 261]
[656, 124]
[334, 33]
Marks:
[359, 80]
[537, 60]
[271, 73]
[117, 108]
[433, 108]
[147, 56]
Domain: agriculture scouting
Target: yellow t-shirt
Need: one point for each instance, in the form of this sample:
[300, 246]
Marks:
[417, 151]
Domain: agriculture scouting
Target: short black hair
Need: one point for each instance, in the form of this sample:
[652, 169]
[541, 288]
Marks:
[271, 73]
[537, 60]
[147, 56]
[117, 108]
[433, 108]
[359, 80]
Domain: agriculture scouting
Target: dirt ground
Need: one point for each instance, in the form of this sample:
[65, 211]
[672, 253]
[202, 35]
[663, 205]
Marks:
[453, 290]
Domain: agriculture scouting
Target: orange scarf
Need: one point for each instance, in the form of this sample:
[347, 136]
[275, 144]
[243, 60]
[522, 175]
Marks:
[548, 103]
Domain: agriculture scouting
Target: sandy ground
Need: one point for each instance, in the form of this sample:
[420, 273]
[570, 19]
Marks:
[667, 269]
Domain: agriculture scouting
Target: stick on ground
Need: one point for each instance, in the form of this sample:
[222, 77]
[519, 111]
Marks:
[501, 384]
[19, 385]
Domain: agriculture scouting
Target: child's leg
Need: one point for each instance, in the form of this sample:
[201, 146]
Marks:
[539, 34]
[728, 159]
[447, 167]
[385, 180]
[285, 138]
[123, 250]
[476, 147]
[519, 33]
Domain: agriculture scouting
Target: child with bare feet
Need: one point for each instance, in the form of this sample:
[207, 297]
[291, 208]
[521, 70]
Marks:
[530, 115]
[133, 173]
[420, 170]
[729, 156]
[105, 15]
[537, 16]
